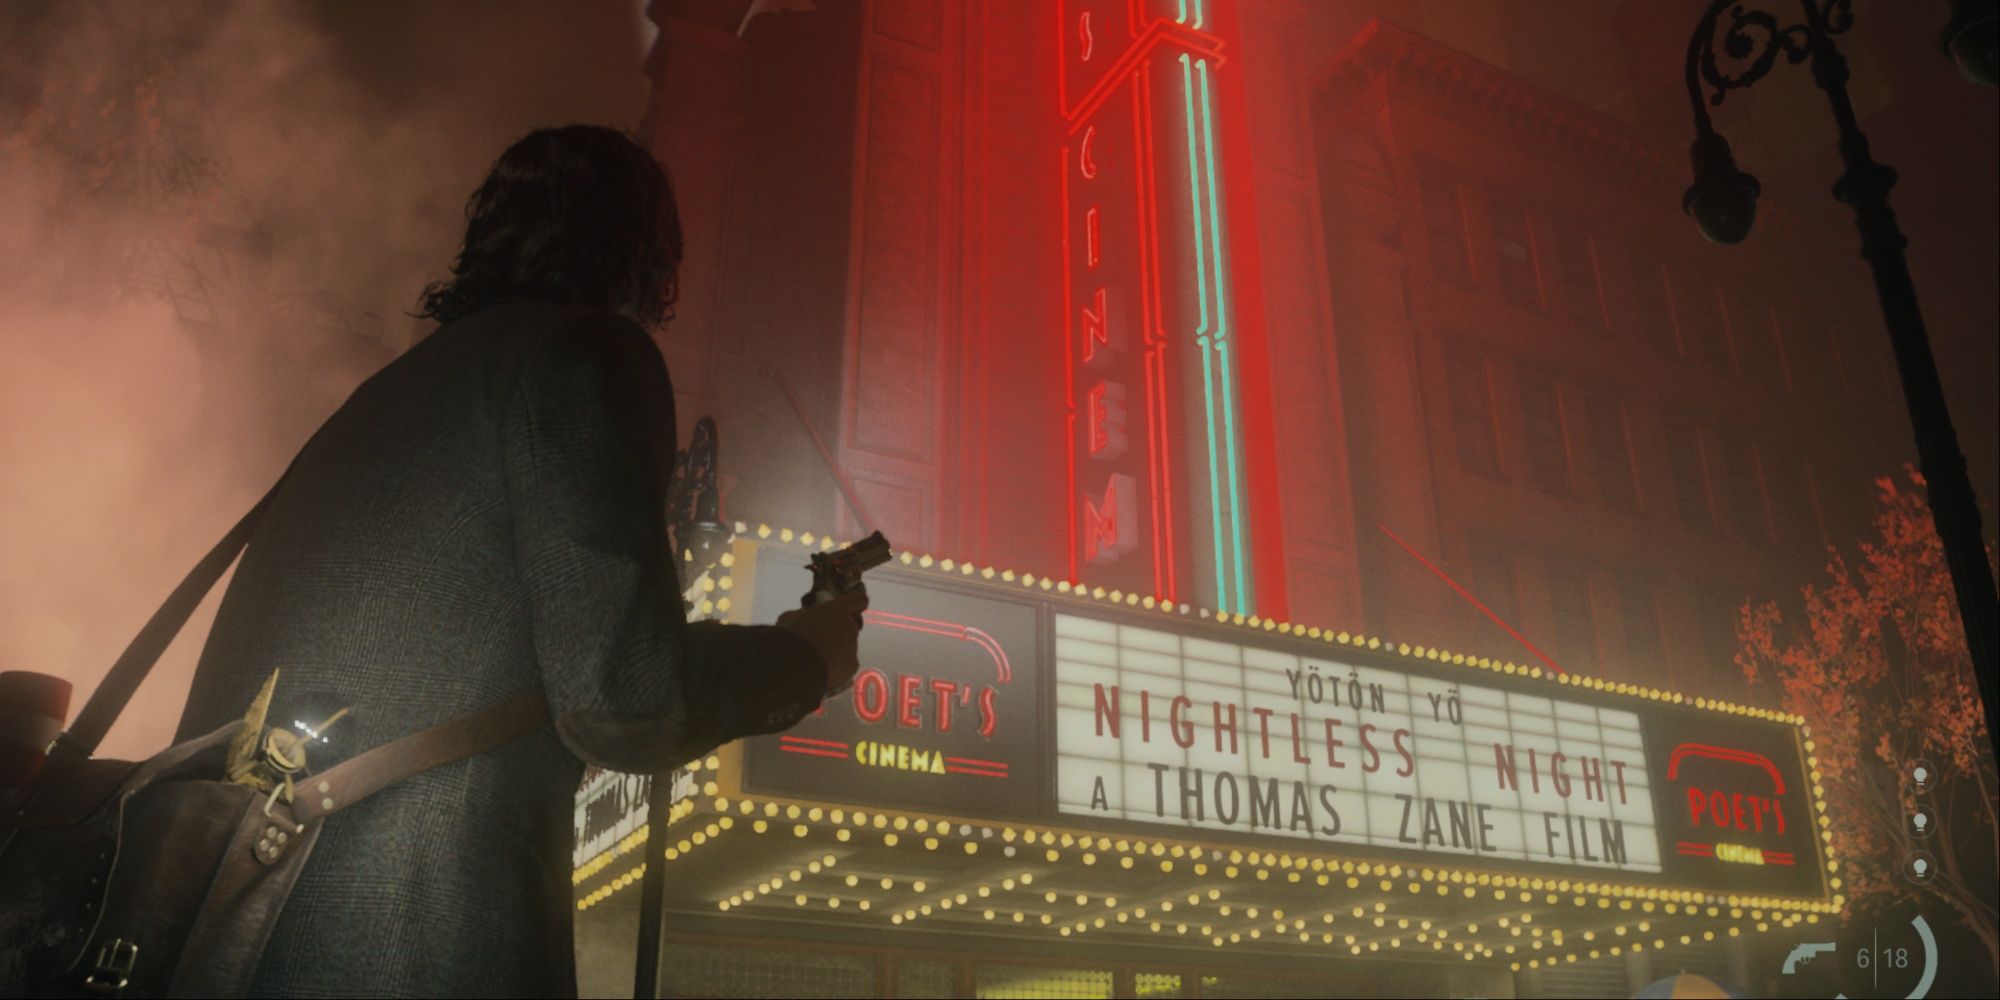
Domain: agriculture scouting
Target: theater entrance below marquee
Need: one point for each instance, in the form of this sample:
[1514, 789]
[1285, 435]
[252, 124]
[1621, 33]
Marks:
[747, 957]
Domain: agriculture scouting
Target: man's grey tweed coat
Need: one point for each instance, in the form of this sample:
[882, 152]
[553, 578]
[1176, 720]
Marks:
[482, 518]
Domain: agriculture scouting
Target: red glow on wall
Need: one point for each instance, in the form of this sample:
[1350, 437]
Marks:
[1260, 434]
[1474, 601]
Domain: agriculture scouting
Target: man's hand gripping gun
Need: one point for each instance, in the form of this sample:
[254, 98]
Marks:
[837, 572]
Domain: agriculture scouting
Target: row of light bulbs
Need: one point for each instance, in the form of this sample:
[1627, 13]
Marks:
[892, 827]
[764, 532]
[1636, 947]
[1423, 935]
[1324, 870]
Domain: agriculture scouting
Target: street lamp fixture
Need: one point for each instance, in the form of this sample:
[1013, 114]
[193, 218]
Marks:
[1723, 199]
[1723, 202]
[700, 539]
[694, 504]
[1972, 39]
[706, 538]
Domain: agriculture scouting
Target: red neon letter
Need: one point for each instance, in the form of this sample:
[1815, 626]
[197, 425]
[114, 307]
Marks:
[871, 686]
[1107, 420]
[1108, 526]
[1101, 336]
[1090, 254]
[989, 719]
[906, 700]
[1095, 330]
[944, 690]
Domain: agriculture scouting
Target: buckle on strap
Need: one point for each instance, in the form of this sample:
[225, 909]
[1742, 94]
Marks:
[112, 972]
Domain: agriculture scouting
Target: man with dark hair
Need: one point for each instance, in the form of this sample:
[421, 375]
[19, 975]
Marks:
[485, 518]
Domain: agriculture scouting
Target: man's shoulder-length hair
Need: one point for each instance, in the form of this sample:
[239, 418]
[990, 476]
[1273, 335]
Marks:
[580, 215]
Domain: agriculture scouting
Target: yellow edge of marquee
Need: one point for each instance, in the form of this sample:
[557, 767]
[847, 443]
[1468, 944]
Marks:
[1255, 624]
[895, 829]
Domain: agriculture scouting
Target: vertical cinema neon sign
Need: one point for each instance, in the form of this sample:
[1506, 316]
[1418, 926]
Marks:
[1155, 460]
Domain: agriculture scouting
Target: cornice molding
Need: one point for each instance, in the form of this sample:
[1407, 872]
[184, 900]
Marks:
[1413, 69]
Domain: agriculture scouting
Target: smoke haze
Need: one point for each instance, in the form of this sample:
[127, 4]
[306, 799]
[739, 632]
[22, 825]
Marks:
[214, 219]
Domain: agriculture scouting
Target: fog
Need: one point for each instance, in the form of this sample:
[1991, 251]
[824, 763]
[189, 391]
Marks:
[309, 163]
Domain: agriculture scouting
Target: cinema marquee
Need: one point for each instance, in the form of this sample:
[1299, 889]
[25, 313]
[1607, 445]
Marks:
[1021, 758]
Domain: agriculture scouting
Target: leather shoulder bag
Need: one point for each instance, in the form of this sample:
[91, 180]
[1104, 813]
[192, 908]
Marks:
[157, 877]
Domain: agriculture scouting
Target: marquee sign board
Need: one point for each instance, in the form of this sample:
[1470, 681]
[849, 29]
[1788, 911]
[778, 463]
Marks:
[1166, 729]
[1734, 795]
[1012, 704]
[942, 714]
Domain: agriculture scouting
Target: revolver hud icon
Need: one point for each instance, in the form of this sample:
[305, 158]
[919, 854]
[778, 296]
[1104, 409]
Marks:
[1806, 953]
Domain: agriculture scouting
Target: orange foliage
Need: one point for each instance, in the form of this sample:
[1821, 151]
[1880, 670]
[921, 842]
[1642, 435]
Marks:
[1878, 667]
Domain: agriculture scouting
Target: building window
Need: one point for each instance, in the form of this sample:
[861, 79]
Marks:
[1851, 363]
[1753, 335]
[1541, 420]
[1867, 364]
[1491, 578]
[1811, 517]
[1652, 304]
[1515, 248]
[1809, 358]
[1569, 604]
[1690, 477]
[1744, 484]
[1641, 611]
[1581, 290]
[1794, 511]
[1720, 610]
[1472, 416]
[1704, 327]
[1444, 221]
[1611, 452]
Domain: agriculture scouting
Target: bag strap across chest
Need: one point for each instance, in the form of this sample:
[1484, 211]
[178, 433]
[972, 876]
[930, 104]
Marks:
[341, 785]
[372, 770]
[80, 741]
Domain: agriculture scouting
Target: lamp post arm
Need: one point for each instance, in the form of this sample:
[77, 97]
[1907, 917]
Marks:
[1864, 186]
[1703, 39]
[1751, 44]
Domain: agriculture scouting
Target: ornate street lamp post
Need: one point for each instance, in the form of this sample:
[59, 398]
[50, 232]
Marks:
[1723, 201]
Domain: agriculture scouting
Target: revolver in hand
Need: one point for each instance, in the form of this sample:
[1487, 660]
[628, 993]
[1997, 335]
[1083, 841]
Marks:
[837, 572]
